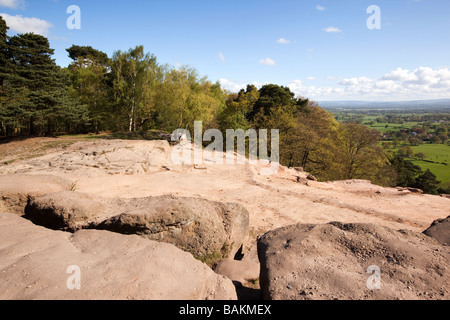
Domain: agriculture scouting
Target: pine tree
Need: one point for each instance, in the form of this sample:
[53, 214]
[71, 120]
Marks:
[35, 83]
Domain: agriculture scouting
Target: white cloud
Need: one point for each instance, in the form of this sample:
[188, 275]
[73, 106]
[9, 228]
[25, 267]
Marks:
[231, 86]
[283, 41]
[400, 84]
[311, 78]
[397, 85]
[320, 8]
[267, 62]
[332, 30]
[221, 57]
[27, 25]
[12, 4]
[236, 87]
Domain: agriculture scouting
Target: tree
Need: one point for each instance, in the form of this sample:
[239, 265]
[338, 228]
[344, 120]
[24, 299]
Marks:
[435, 140]
[427, 182]
[360, 156]
[237, 109]
[134, 76]
[406, 172]
[406, 152]
[87, 53]
[272, 97]
[90, 83]
[35, 85]
[421, 156]
[4, 63]
[183, 98]
[312, 143]
[4, 66]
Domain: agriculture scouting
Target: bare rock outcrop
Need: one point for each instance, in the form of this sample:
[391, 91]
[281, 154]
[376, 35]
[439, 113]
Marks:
[66, 211]
[440, 230]
[201, 227]
[238, 271]
[16, 190]
[331, 261]
[35, 264]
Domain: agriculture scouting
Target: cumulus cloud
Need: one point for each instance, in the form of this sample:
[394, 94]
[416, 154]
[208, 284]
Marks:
[236, 87]
[27, 25]
[267, 62]
[399, 84]
[12, 4]
[230, 85]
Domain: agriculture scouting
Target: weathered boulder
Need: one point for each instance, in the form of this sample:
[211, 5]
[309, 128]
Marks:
[35, 261]
[440, 230]
[16, 190]
[201, 227]
[67, 211]
[326, 262]
[238, 271]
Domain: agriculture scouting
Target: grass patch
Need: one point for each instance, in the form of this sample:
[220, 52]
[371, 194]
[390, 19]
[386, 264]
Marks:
[434, 152]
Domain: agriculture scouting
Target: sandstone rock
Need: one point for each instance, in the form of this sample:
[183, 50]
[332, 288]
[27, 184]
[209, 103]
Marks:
[67, 211]
[310, 177]
[34, 264]
[238, 271]
[17, 190]
[201, 227]
[415, 190]
[326, 262]
[440, 230]
[447, 196]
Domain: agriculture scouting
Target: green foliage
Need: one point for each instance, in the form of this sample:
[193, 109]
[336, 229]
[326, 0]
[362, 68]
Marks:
[427, 182]
[88, 53]
[182, 98]
[34, 90]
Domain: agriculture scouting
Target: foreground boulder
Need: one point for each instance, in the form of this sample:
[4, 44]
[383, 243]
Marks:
[326, 262]
[35, 264]
[66, 211]
[238, 271]
[440, 230]
[204, 228]
[16, 190]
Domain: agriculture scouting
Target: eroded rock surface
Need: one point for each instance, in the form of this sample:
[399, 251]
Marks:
[198, 226]
[330, 261]
[35, 261]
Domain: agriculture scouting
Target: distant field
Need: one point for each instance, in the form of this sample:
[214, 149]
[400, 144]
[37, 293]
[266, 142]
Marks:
[441, 171]
[386, 127]
[435, 152]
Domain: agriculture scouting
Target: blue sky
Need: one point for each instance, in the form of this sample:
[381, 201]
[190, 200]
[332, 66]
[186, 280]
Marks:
[320, 49]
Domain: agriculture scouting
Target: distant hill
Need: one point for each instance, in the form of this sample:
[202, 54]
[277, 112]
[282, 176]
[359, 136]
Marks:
[416, 104]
